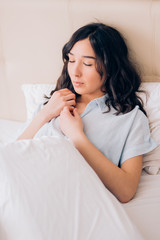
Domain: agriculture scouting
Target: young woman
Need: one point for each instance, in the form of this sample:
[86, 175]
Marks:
[95, 105]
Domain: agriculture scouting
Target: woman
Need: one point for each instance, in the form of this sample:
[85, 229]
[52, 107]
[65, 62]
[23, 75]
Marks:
[95, 105]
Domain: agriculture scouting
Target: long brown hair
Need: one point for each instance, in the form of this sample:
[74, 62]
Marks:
[122, 80]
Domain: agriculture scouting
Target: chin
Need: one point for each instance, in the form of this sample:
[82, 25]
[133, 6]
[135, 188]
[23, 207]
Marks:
[78, 91]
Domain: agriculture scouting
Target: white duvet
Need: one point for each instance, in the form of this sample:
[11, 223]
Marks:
[49, 192]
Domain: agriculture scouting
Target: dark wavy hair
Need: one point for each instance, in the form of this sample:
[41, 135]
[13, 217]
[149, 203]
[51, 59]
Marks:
[122, 80]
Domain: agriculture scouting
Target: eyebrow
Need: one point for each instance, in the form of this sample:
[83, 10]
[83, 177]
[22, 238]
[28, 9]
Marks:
[85, 56]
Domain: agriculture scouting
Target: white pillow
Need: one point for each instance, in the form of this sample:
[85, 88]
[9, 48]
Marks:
[151, 160]
[34, 96]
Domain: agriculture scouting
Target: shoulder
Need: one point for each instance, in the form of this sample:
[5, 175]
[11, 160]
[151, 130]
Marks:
[139, 127]
[138, 122]
[140, 118]
[135, 123]
[136, 115]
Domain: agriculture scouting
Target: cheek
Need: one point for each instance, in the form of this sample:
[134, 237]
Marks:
[96, 78]
[91, 74]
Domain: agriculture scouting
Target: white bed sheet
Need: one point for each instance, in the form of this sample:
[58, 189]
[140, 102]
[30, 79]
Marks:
[143, 210]
[9, 130]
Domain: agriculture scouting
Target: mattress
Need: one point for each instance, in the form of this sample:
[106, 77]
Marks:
[143, 209]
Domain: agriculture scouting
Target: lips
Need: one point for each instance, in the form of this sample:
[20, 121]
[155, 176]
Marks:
[77, 84]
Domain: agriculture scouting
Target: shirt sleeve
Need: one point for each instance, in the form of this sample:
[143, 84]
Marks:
[139, 139]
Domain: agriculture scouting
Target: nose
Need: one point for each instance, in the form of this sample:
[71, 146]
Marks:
[77, 70]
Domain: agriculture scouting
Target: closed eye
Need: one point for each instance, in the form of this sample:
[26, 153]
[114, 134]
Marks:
[86, 64]
[71, 61]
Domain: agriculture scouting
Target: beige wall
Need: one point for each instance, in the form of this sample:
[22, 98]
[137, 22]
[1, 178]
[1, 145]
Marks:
[33, 32]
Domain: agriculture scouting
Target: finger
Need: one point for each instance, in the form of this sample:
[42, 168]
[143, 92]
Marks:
[75, 112]
[70, 96]
[71, 108]
[67, 112]
[61, 93]
[65, 109]
[71, 103]
[65, 91]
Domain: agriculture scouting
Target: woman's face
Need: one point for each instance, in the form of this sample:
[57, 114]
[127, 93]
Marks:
[82, 70]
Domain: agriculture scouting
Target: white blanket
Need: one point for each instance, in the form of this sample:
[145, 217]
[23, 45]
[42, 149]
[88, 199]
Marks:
[48, 191]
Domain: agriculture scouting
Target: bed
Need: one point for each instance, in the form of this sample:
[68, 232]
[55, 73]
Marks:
[143, 210]
[30, 50]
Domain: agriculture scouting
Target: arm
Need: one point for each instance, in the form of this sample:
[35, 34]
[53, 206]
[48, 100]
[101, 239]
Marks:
[122, 182]
[52, 109]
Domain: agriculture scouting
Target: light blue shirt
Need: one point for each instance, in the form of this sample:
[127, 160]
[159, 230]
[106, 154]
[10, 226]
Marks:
[117, 137]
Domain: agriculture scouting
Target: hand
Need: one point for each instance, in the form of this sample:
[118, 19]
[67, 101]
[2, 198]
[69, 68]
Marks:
[57, 102]
[71, 124]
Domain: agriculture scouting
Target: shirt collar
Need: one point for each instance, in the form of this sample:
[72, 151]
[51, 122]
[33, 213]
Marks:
[101, 102]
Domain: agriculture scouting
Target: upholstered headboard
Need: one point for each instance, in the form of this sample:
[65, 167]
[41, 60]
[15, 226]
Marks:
[33, 32]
